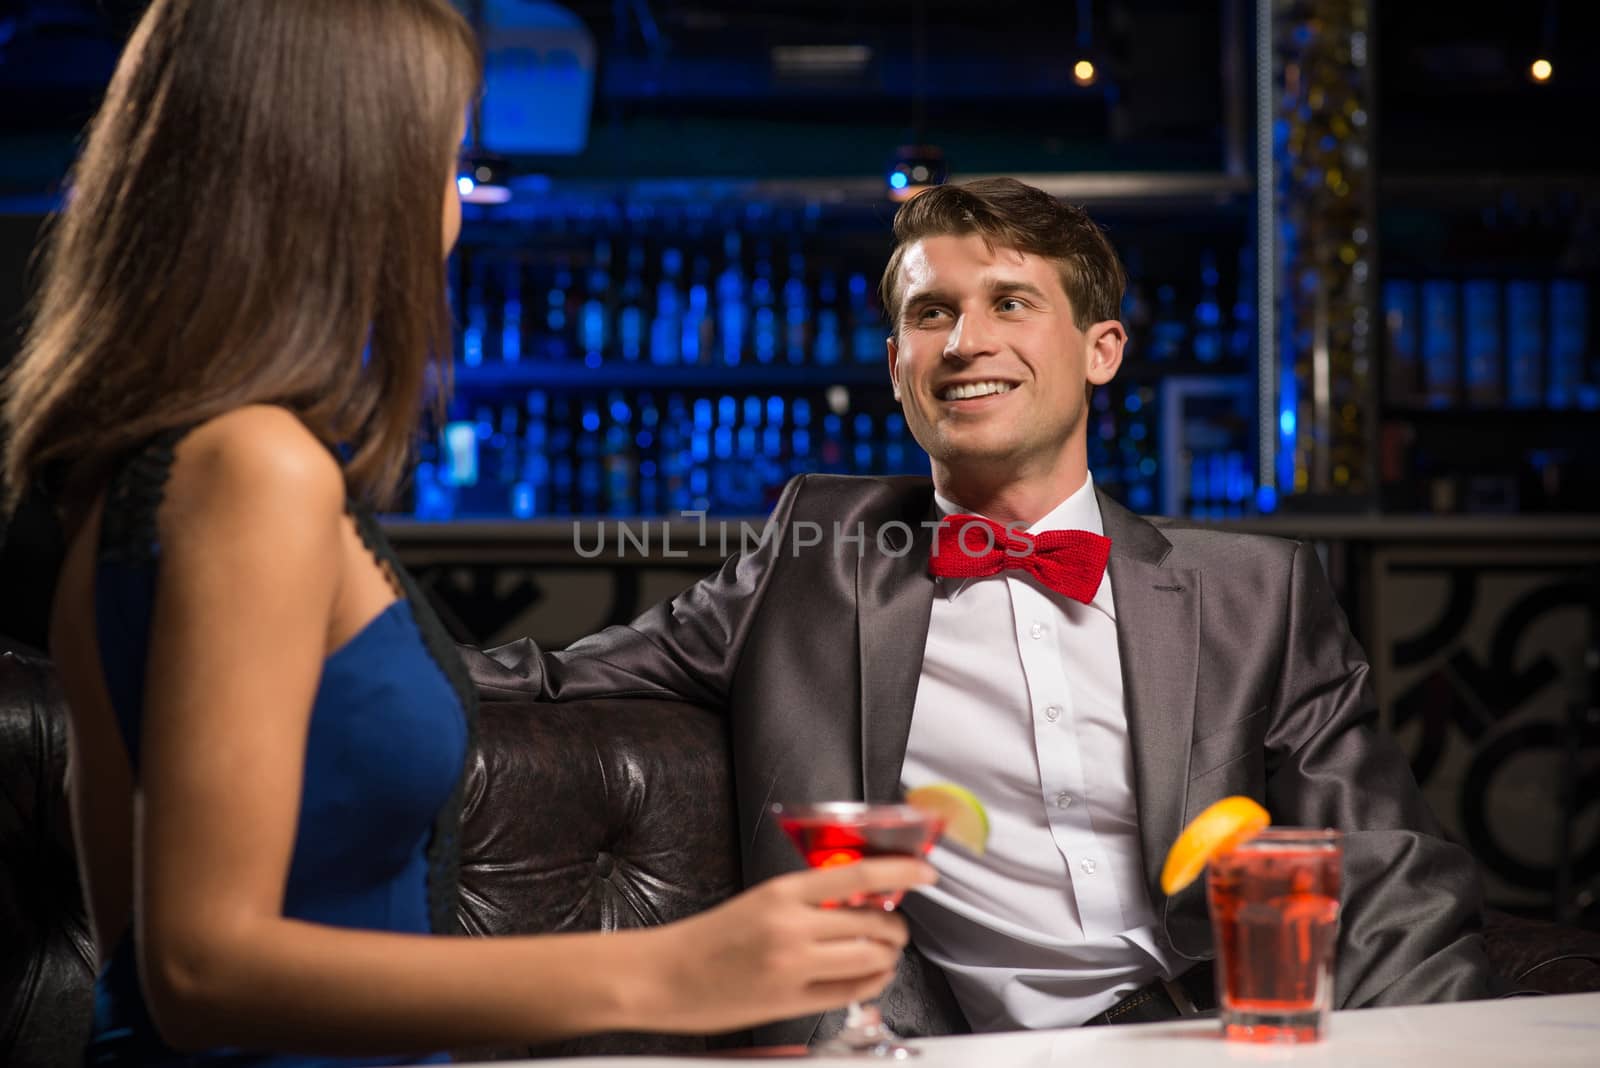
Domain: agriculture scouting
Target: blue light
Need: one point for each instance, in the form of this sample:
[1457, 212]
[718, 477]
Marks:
[591, 420]
[1266, 499]
[522, 500]
[466, 185]
[897, 180]
[1132, 402]
[1286, 422]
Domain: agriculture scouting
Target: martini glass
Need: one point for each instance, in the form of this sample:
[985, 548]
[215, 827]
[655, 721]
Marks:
[843, 832]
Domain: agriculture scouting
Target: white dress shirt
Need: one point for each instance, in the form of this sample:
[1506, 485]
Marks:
[1020, 700]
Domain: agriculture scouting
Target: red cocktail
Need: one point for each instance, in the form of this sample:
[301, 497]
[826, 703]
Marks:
[844, 832]
[1275, 911]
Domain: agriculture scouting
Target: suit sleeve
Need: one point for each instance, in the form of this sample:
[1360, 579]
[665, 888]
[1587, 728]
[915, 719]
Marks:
[1412, 902]
[686, 648]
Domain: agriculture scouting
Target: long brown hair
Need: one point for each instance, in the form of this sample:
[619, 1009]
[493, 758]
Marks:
[1017, 216]
[256, 217]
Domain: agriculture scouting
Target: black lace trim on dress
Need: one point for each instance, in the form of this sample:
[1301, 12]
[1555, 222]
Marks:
[444, 846]
[128, 532]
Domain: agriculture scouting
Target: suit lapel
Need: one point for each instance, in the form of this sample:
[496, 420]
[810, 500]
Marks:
[894, 601]
[1158, 637]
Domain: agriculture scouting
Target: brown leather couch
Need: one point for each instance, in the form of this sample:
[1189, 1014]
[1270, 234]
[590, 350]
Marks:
[578, 817]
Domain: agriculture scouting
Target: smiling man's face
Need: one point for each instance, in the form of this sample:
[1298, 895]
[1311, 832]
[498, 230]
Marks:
[990, 367]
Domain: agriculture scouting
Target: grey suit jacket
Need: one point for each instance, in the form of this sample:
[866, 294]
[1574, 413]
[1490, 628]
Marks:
[1240, 677]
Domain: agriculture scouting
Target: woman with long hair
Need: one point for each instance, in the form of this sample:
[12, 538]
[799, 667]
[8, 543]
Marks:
[242, 311]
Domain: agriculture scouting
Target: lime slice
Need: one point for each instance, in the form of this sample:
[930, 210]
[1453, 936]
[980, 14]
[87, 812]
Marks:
[1223, 825]
[965, 821]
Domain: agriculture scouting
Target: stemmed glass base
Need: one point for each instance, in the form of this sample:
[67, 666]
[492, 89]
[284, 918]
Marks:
[865, 1035]
[843, 832]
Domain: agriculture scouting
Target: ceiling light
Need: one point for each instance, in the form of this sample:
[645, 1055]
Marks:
[483, 178]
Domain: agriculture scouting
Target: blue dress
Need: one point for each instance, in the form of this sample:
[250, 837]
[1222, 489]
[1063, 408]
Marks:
[380, 800]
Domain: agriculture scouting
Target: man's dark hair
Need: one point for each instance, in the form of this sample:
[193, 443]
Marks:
[1009, 214]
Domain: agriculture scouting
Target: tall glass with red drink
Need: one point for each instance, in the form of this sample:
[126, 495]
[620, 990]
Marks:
[1275, 912]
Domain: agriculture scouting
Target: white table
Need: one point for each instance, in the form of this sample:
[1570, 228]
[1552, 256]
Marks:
[1513, 1033]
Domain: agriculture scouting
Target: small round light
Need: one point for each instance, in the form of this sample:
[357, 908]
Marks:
[465, 185]
[898, 180]
[1084, 72]
[919, 173]
[1541, 70]
[484, 174]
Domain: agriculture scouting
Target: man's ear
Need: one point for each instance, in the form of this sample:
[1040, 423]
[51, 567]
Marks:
[1105, 342]
[894, 363]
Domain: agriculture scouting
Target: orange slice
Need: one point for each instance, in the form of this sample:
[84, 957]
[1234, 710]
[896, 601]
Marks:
[1218, 829]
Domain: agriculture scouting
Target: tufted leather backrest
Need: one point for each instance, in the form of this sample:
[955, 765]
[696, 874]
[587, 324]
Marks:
[46, 948]
[597, 815]
[592, 816]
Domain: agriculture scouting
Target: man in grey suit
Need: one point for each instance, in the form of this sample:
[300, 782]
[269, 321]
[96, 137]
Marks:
[1094, 717]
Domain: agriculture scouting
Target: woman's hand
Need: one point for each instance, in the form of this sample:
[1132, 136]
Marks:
[776, 951]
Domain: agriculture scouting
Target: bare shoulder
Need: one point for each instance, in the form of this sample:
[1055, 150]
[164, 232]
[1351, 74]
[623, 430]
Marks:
[259, 460]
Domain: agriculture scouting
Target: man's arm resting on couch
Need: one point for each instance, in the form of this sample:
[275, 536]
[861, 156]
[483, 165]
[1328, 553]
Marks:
[684, 649]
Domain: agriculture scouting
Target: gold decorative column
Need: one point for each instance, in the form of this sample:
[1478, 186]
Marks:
[1324, 191]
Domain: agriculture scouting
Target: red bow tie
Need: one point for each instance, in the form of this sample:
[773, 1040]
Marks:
[1071, 562]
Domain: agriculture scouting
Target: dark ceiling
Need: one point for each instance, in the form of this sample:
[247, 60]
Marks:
[681, 81]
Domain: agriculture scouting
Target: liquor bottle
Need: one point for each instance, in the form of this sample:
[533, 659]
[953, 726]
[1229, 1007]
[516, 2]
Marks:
[866, 462]
[511, 317]
[1569, 337]
[731, 310]
[801, 458]
[1525, 345]
[620, 462]
[764, 316]
[1169, 333]
[630, 319]
[1208, 312]
[477, 320]
[594, 332]
[1484, 373]
[866, 324]
[674, 466]
[1403, 375]
[559, 319]
[562, 497]
[896, 457]
[796, 317]
[490, 272]
[698, 327]
[667, 328]
[531, 496]
[1242, 332]
[590, 480]
[771, 467]
[830, 342]
[1136, 313]
[648, 441]
[1441, 345]
[833, 459]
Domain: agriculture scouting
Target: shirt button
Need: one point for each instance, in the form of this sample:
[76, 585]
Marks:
[1063, 800]
[1037, 630]
[1052, 713]
[1088, 866]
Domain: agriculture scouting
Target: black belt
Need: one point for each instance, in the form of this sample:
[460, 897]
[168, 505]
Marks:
[1191, 994]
